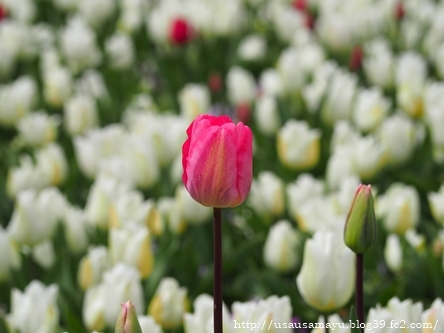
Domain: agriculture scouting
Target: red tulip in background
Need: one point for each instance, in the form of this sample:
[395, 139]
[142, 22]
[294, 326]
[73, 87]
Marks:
[181, 31]
[217, 161]
[3, 12]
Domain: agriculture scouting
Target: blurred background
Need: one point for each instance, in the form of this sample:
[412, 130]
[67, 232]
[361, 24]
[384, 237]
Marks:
[95, 100]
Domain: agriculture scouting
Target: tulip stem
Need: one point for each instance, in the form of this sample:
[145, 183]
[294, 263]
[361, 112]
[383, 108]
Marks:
[326, 322]
[217, 286]
[359, 288]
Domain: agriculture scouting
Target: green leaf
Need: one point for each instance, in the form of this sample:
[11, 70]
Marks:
[354, 319]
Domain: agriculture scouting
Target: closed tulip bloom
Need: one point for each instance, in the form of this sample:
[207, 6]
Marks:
[92, 266]
[360, 227]
[399, 208]
[169, 304]
[267, 195]
[127, 321]
[393, 253]
[326, 277]
[121, 283]
[280, 250]
[298, 145]
[436, 204]
[217, 161]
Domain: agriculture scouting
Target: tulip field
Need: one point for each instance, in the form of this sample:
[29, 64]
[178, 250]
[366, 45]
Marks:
[285, 155]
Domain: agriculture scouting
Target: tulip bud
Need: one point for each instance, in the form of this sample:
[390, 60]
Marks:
[217, 161]
[127, 321]
[360, 227]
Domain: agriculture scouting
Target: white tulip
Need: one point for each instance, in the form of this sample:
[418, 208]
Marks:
[191, 211]
[194, 99]
[100, 196]
[11, 258]
[252, 48]
[399, 136]
[96, 12]
[201, 321]
[57, 84]
[298, 145]
[44, 254]
[270, 82]
[411, 74]
[370, 110]
[304, 188]
[267, 195]
[38, 128]
[433, 317]
[396, 311]
[81, 114]
[379, 63]
[339, 97]
[369, 156]
[280, 251]
[327, 274]
[91, 83]
[393, 253]
[169, 304]
[92, 266]
[93, 308]
[121, 283]
[78, 44]
[35, 309]
[436, 204]
[120, 51]
[17, 100]
[416, 240]
[267, 115]
[52, 164]
[290, 70]
[96, 146]
[149, 325]
[340, 166]
[335, 322]
[270, 313]
[133, 247]
[25, 177]
[36, 215]
[399, 208]
[241, 86]
[76, 229]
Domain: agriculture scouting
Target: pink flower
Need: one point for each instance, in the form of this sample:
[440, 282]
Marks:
[181, 31]
[217, 161]
[3, 12]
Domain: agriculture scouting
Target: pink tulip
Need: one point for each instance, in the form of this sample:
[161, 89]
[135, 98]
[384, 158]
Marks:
[217, 161]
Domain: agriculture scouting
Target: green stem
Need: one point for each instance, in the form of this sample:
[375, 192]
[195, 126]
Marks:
[326, 322]
[217, 287]
[359, 288]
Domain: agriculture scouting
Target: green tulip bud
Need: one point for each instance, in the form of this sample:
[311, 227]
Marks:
[127, 321]
[361, 228]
